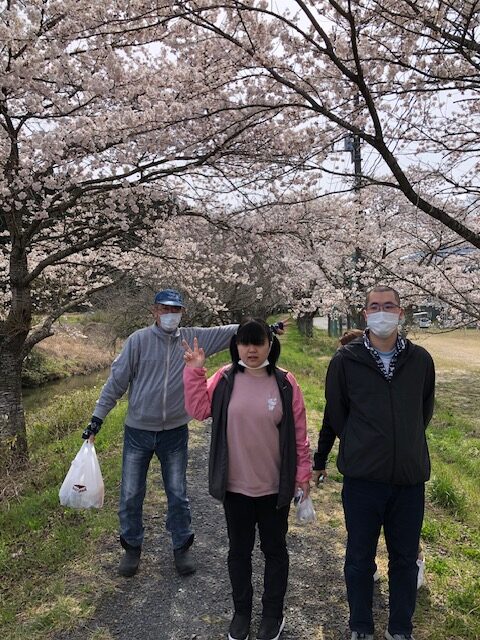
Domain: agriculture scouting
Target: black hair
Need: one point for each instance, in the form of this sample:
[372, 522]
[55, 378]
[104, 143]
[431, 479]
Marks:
[381, 288]
[254, 331]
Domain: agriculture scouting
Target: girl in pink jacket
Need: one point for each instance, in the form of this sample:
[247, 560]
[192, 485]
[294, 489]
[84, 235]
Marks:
[259, 458]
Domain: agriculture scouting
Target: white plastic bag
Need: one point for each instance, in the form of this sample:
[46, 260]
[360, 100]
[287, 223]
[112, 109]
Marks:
[421, 571]
[83, 485]
[304, 510]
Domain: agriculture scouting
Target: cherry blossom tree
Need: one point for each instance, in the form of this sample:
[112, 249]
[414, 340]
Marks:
[101, 135]
[130, 129]
[331, 252]
[399, 76]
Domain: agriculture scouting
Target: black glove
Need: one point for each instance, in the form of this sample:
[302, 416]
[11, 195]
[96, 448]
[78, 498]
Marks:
[93, 428]
[276, 326]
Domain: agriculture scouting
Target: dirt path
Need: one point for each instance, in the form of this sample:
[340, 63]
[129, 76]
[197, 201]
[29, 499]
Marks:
[157, 604]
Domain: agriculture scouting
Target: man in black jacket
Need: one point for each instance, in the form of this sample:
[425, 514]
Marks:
[380, 394]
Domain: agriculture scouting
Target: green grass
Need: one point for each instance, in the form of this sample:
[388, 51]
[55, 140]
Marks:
[451, 529]
[445, 493]
[47, 578]
[73, 318]
[38, 368]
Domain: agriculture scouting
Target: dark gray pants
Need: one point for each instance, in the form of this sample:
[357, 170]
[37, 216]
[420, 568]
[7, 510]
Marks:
[243, 514]
[368, 506]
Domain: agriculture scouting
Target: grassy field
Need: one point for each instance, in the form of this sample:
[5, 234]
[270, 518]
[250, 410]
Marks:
[450, 605]
[49, 581]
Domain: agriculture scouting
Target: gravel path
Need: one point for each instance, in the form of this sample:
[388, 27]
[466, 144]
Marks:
[157, 604]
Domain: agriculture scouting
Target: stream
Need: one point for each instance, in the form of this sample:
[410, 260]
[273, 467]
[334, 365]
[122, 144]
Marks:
[39, 397]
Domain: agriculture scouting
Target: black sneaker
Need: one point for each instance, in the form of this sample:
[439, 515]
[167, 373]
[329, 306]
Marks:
[128, 566]
[239, 627]
[184, 561]
[270, 628]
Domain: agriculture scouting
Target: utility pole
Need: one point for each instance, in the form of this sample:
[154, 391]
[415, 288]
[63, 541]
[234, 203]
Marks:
[356, 153]
[357, 162]
[353, 144]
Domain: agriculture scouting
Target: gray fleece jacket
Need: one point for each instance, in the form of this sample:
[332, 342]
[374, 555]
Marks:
[150, 366]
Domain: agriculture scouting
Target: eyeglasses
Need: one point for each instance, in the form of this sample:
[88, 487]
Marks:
[389, 307]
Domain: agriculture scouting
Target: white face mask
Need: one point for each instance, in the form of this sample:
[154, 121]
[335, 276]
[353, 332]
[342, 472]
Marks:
[383, 324]
[260, 366]
[170, 321]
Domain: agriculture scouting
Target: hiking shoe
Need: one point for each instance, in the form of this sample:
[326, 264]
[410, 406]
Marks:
[239, 627]
[128, 566]
[398, 636]
[270, 628]
[361, 636]
[184, 561]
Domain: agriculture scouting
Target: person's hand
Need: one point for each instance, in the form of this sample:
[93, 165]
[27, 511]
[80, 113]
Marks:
[319, 475]
[305, 488]
[92, 429]
[195, 357]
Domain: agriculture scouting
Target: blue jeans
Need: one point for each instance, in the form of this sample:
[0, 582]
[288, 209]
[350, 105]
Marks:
[171, 448]
[368, 506]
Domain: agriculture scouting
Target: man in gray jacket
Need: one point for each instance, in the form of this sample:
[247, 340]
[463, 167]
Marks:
[150, 366]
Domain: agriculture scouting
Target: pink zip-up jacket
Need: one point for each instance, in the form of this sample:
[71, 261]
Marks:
[198, 403]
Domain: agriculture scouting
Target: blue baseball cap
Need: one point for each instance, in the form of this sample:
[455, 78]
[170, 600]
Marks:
[169, 297]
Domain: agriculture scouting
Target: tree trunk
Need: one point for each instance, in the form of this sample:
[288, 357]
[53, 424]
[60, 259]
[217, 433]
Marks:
[13, 437]
[355, 319]
[305, 324]
[13, 334]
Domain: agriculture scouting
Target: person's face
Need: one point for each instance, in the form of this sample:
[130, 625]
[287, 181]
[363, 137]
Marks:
[254, 355]
[161, 309]
[382, 301]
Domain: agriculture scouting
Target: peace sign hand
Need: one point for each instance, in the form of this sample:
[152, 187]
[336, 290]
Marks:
[195, 357]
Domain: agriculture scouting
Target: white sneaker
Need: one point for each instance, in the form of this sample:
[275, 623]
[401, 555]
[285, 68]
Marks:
[361, 636]
[421, 572]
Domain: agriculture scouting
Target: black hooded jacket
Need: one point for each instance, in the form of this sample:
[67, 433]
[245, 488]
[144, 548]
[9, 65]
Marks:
[381, 423]
[218, 465]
